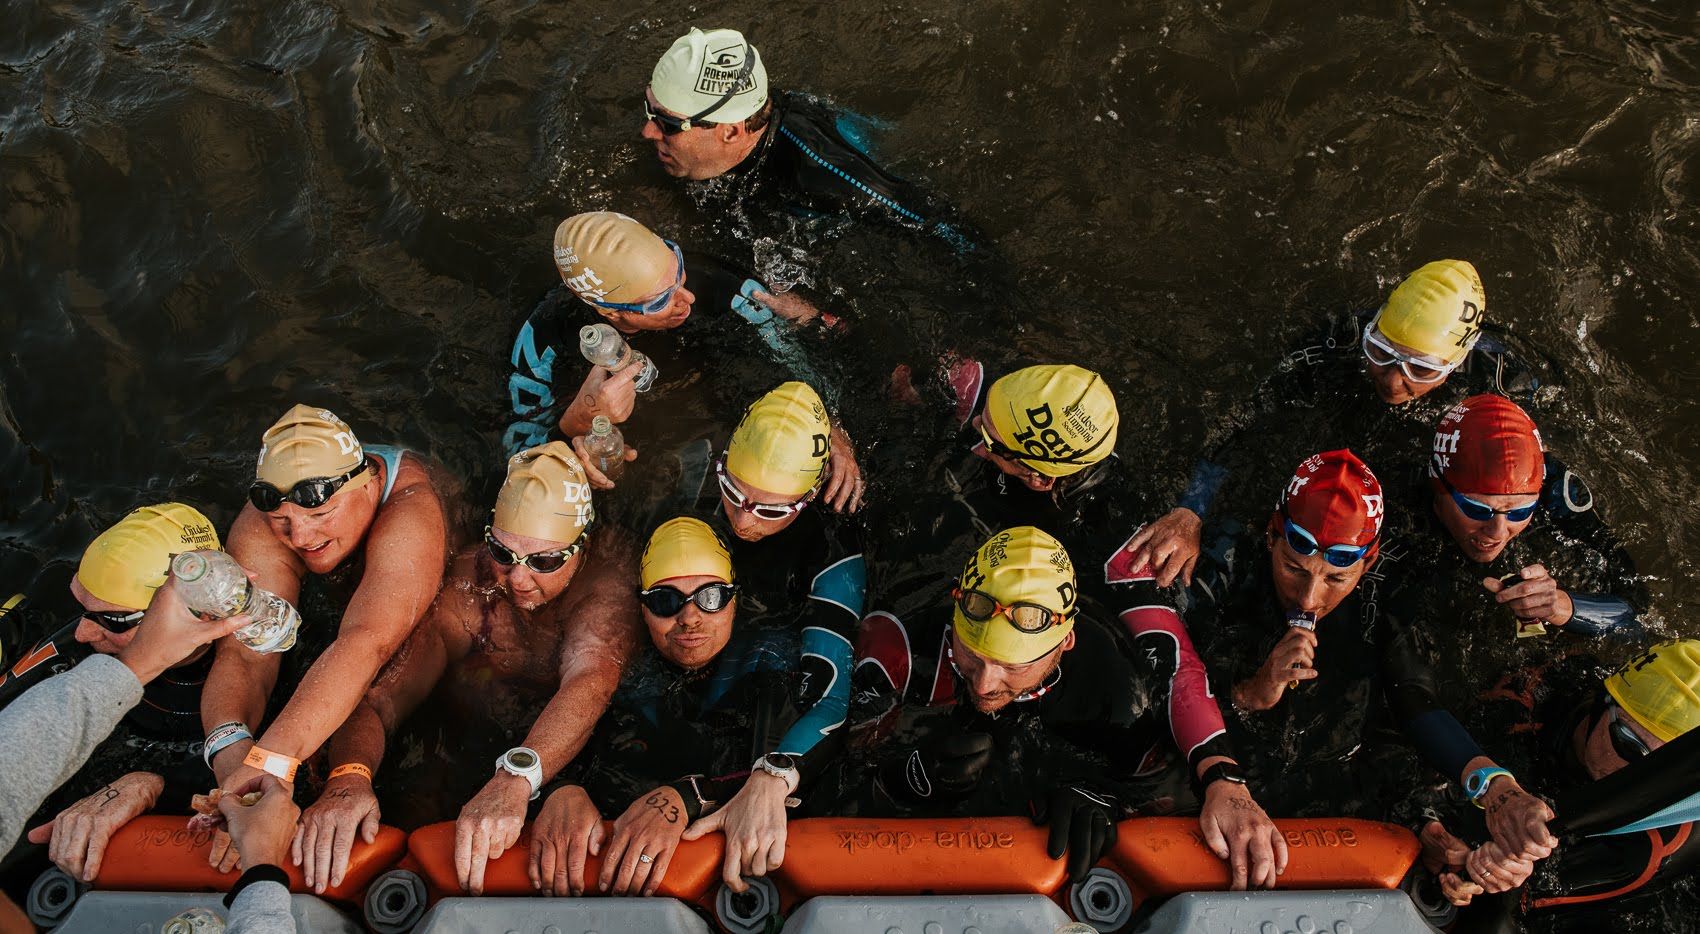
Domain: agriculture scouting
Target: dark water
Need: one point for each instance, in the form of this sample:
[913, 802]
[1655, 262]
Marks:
[211, 211]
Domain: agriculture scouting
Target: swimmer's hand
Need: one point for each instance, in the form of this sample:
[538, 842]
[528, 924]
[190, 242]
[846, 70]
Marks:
[169, 633]
[1445, 856]
[754, 823]
[790, 305]
[261, 831]
[1083, 826]
[1290, 661]
[1170, 545]
[1517, 820]
[844, 483]
[1537, 597]
[651, 828]
[603, 392]
[596, 478]
[1237, 829]
[76, 839]
[489, 824]
[1494, 871]
[946, 767]
[566, 832]
[326, 834]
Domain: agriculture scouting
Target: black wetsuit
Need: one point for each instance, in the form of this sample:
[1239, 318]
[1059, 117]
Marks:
[1634, 881]
[1307, 754]
[1320, 399]
[737, 342]
[664, 723]
[1098, 724]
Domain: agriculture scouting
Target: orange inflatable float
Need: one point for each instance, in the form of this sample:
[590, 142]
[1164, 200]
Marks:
[1163, 856]
[958, 856]
[158, 853]
[691, 876]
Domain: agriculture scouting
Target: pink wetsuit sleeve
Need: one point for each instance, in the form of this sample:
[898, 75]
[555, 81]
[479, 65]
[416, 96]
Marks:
[1160, 638]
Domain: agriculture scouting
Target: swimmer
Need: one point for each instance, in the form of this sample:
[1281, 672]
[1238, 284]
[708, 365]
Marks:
[1033, 693]
[320, 502]
[672, 754]
[544, 599]
[1432, 333]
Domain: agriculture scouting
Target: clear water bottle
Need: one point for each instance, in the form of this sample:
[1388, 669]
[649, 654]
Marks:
[1299, 619]
[214, 587]
[606, 448]
[603, 346]
[194, 921]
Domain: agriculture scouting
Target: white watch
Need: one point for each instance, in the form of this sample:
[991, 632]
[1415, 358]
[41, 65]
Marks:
[524, 762]
[780, 765]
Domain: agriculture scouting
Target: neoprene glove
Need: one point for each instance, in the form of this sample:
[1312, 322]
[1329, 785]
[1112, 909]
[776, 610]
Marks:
[948, 766]
[1083, 825]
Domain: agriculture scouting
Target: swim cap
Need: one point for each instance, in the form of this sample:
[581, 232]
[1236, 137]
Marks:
[126, 563]
[545, 495]
[609, 257]
[1438, 310]
[1058, 411]
[1023, 564]
[309, 442]
[1661, 689]
[781, 444]
[1487, 444]
[693, 77]
[684, 547]
[1336, 498]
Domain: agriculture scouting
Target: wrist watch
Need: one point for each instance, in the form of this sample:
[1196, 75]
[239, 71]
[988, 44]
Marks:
[778, 764]
[1476, 783]
[1224, 772]
[524, 762]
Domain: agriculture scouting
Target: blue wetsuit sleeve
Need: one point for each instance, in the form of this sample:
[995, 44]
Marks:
[835, 607]
[1414, 700]
[1601, 614]
[1201, 490]
[1442, 741]
[778, 334]
[532, 391]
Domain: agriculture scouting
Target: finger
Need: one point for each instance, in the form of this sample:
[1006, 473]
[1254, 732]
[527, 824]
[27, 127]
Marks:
[97, 849]
[1186, 572]
[1140, 539]
[569, 876]
[308, 833]
[1057, 844]
[463, 851]
[541, 864]
[371, 824]
[776, 849]
[295, 845]
[76, 847]
[232, 857]
[1262, 862]
[755, 862]
[324, 853]
[1239, 865]
[1166, 568]
[611, 859]
[1213, 838]
[1492, 585]
[477, 843]
[340, 852]
[658, 872]
[731, 871]
[42, 834]
[704, 825]
[1536, 572]
[627, 866]
[1304, 674]
[1279, 843]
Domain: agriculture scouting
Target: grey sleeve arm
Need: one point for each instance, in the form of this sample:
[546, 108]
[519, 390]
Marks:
[52, 728]
[261, 908]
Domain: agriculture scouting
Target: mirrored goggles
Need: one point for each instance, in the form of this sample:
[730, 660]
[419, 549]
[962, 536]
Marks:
[1628, 745]
[730, 492]
[1301, 541]
[660, 302]
[666, 600]
[114, 621]
[543, 562]
[1030, 618]
[1417, 369]
[1478, 511]
[310, 493]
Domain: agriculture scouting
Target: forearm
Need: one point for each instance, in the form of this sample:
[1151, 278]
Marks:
[237, 686]
[1195, 719]
[325, 698]
[52, 728]
[564, 726]
[1601, 614]
[360, 739]
[1202, 487]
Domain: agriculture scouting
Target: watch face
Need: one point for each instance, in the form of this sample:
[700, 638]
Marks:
[783, 761]
[521, 759]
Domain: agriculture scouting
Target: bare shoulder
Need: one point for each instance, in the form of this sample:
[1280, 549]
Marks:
[455, 613]
[253, 545]
[600, 608]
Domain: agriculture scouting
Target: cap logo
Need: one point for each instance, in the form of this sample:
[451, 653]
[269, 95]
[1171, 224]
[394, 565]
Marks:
[565, 257]
[575, 492]
[1297, 484]
[345, 442]
[1372, 503]
[1040, 439]
[820, 446]
[195, 532]
[1467, 318]
[587, 284]
[720, 69]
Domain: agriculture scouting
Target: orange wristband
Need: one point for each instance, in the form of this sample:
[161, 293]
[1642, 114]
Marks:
[276, 763]
[351, 768]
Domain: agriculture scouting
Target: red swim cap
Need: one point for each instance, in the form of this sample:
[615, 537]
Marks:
[1488, 445]
[1336, 498]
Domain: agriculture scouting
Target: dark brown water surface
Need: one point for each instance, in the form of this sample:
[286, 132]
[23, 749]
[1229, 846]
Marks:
[212, 210]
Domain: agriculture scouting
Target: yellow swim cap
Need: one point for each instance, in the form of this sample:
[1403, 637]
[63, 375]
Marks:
[1438, 310]
[1661, 689]
[545, 495]
[309, 442]
[1019, 565]
[781, 444]
[126, 563]
[1062, 412]
[684, 547]
[608, 257]
[700, 68]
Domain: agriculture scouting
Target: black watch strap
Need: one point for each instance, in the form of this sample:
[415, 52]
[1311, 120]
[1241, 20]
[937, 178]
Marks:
[1223, 772]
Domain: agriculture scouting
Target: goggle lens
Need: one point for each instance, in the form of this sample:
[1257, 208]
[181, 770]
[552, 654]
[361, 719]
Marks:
[1027, 617]
[661, 302]
[1478, 511]
[310, 493]
[543, 562]
[1340, 556]
[113, 621]
[1624, 741]
[1379, 352]
[730, 492]
[669, 601]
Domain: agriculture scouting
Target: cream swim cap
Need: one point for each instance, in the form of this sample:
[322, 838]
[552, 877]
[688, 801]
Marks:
[545, 495]
[608, 257]
[693, 77]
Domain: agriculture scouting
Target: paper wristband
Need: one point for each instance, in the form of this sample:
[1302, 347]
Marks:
[223, 736]
[275, 763]
[351, 768]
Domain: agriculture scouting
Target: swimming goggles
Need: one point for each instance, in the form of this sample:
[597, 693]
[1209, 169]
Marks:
[671, 125]
[1030, 618]
[1477, 511]
[664, 600]
[1624, 741]
[1416, 369]
[310, 493]
[660, 302]
[730, 492]
[113, 621]
[1301, 541]
[543, 562]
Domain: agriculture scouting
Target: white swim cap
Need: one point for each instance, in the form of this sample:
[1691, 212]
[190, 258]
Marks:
[701, 69]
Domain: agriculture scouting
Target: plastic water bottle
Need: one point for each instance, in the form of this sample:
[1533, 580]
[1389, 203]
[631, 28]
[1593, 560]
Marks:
[194, 921]
[606, 448]
[214, 587]
[1075, 927]
[1299, 619]
[603, 346]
